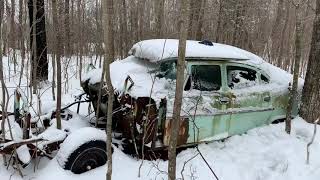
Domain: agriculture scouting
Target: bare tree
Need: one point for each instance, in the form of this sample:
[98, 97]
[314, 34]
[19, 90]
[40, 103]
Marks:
[311, 93]
[38, 33]
[21, 40]
[1, 69]
[294, 89]
[159, 17]
[312, 139]
[109, 56]
[179, 89]
[58, 54]
[2, 79]
[67, 33]
[276, 29]
[13, 35]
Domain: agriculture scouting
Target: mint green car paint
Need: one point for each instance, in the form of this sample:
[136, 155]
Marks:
[242, 112]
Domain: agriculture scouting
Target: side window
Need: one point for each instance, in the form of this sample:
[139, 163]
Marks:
[206, 77]
[241, 77]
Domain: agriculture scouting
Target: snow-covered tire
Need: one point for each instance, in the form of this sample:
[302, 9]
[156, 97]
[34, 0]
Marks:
[88, 156]
[83, 150]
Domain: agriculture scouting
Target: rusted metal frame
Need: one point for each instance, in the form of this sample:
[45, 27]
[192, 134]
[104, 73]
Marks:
[44, 152]
[8, 114]
[5, 148]
[126, 83]
[132, 123]
[183, 131]
[77, 102]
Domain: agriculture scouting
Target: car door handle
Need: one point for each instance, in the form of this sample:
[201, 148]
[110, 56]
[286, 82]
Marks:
[267, 98]
[224, 100]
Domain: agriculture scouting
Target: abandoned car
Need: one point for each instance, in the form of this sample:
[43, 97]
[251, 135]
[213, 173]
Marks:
[227, 91]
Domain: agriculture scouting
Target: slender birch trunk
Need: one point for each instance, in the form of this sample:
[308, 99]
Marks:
[58, 51]
[109, 56]
[294, 89]
[183, 24]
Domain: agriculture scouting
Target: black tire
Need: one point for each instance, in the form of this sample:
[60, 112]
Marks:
[86, 157]
[278, 121]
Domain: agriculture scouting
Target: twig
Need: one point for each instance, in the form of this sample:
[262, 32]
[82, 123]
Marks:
[312, 139]
[185, 163]
[207, 163]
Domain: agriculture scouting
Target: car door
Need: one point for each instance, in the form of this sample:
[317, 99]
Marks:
[250, 102]
[204, 102]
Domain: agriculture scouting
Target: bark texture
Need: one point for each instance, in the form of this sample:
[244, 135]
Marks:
[56, 4]
[293, 92]
[311, 92]
[109, 57]
[40, 62]
[1, 72]
[179, 89]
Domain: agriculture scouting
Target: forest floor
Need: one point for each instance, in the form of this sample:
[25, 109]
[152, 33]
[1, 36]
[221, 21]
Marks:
[264, 153]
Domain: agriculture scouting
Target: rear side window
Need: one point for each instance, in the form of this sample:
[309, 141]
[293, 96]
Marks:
[241, 77]
[206, 77]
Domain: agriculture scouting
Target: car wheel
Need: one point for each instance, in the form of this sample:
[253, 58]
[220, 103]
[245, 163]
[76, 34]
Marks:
[86, 157]
[278, 121]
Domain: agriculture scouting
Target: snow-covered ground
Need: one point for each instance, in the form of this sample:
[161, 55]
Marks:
[265, 153]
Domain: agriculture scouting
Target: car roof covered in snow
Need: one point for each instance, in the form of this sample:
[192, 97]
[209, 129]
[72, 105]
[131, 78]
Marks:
[156, 50]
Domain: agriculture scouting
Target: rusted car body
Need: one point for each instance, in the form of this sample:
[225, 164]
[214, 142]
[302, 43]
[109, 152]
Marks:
[225, 93]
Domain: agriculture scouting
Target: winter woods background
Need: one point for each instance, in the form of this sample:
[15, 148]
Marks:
[73, 33]
[265, 27]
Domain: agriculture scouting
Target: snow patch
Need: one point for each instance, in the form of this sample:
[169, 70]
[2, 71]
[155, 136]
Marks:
[76, 139]
[23, 154]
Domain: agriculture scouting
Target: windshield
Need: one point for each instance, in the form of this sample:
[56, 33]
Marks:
[167, 69]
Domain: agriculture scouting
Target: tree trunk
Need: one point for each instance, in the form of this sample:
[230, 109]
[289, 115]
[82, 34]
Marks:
[239, 29]
[109, 56]
[283, 35]
[293, 91]
[1, 72]
[183, 26]
[53, 84]
[140, 17]
[125, 27]
[34, 52]
[67, 28]
[21, 40]
[39, 59]
[219, 23]
[56, 4]
[159, 18]
[311, 92]
[199, 32]
[194, 16]
[20, 33]
[13, 35]
[276, 30]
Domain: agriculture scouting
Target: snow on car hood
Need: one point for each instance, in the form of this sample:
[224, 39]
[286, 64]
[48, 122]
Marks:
[144, 81]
